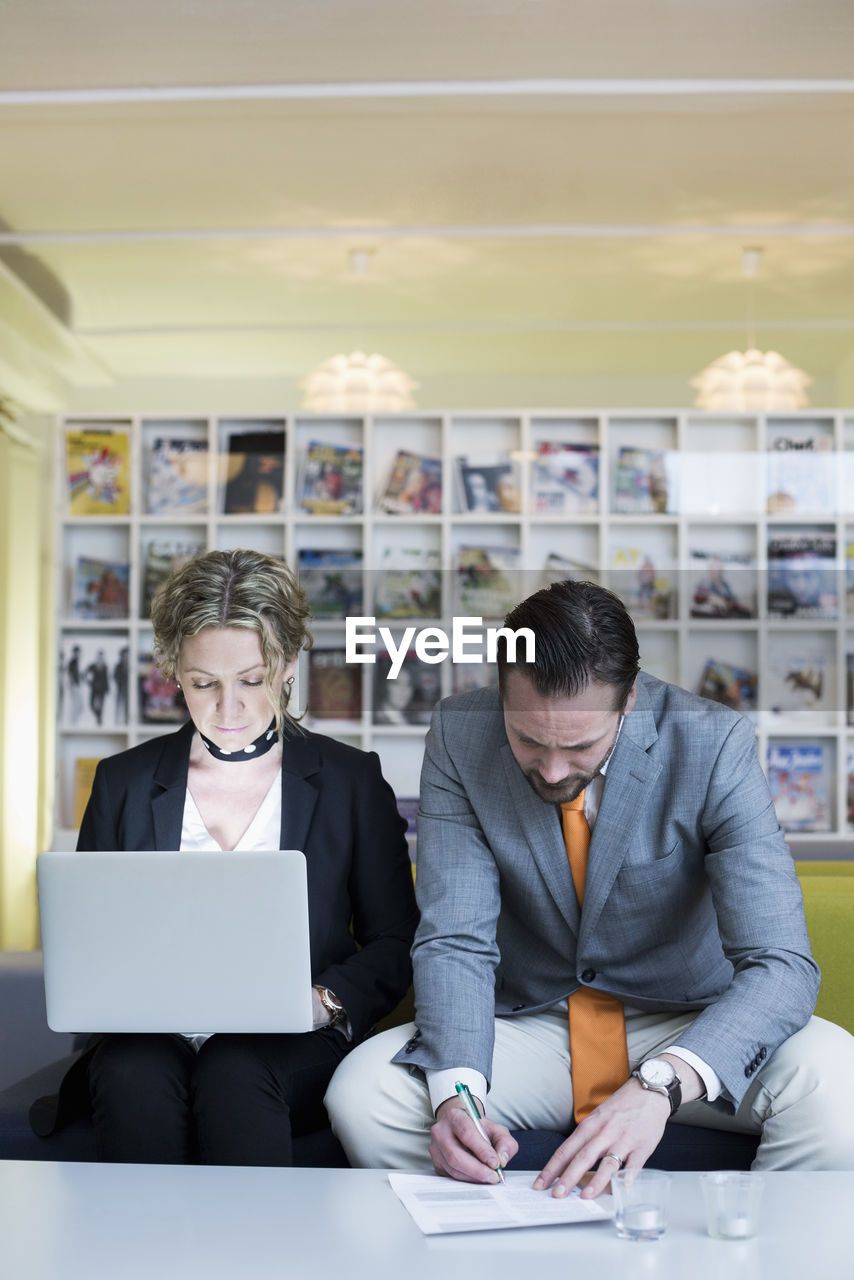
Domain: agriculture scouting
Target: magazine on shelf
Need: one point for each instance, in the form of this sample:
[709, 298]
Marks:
[177, 477]
[331, 483]
[467, 676]
[100, 588]
[849, 688]
[799, 778]
[84, 776]
[488, 484]
[849, 787]
[565, 478]
[97, 471]
[410, 697]
[162, 557]
[802, 574]
[253, 473]
[723, 585]
[644, 481]
[331, 580]
[334, 686]
[407, 807]
[409, 584]
[414, 485]
[800, 472]
[796, 675]
[93, 680]
[646, 590]
[558, 568]
[733, 686]
[487, 581]
[849, 579]
[160, 700]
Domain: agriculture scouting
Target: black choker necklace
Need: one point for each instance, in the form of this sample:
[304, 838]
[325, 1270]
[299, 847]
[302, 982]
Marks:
[259, 747]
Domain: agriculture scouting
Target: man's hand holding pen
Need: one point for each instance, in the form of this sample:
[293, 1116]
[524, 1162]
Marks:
[459, 1151]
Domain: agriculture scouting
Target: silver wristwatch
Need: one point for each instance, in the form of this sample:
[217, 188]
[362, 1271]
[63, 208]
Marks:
[659, 1076]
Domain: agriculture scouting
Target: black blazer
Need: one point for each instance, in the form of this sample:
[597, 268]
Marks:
[338, 809]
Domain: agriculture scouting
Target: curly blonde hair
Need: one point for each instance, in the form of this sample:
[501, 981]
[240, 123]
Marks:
[235, 589]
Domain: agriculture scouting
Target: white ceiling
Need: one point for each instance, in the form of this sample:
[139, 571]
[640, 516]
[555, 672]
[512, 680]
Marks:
[556, 194]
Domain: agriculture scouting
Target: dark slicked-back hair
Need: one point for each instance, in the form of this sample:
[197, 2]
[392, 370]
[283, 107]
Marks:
[583, 633]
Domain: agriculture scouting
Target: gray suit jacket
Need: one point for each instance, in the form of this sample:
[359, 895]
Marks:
[691, 900]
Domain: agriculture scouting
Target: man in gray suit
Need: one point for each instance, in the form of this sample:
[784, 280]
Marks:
[691, 917]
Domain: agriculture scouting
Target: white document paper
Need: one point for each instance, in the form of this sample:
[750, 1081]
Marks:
[440, 1205]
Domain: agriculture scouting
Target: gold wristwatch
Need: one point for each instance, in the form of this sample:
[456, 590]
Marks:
[331, 1004]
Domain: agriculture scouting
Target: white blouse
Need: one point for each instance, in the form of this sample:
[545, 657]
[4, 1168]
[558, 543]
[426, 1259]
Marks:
[262, 833]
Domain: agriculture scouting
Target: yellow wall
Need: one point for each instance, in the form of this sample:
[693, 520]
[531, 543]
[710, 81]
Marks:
[24, 504]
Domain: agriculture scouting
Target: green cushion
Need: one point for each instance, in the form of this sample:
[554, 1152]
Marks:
[828, 889]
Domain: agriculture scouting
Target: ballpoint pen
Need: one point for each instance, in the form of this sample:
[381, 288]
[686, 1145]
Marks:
[471, 1107]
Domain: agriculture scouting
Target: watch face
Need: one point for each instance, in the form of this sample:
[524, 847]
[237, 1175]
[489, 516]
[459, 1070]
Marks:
[657, 1072]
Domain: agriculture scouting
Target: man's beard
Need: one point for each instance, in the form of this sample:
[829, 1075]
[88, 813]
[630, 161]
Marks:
[568, 788]
[559, 792]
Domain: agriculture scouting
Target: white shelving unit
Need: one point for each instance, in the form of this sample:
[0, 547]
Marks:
[719, 500]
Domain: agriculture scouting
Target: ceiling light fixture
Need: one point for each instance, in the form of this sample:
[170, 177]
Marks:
[357, 383]
[751, 380]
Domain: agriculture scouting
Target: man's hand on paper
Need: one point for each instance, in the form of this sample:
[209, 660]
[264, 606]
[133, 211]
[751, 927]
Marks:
[628, 1125]
[458, 1151]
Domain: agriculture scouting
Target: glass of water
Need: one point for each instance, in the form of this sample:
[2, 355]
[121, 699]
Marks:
[641, 1200]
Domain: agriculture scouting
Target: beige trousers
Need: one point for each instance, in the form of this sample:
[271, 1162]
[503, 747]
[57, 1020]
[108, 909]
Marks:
[800, 1101]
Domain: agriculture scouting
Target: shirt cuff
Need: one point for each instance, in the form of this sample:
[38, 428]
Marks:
[443, 1084]
[707, 1074]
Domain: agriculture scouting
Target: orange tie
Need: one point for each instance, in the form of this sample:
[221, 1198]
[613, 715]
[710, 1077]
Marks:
[599, 1059]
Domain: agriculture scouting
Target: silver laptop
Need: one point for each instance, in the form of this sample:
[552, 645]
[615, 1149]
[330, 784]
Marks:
[190, 942]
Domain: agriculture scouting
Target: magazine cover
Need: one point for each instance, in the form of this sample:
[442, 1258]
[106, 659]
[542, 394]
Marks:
[849, 579]
[644, 588]
[488, 484]
[177, 477]
[160, 700]
[467, 676]
[334, 687]
[97, 472]
[100, 588]
[733, 686]
[253, 473]
[850, 788]
[800, 472]
[331, 580]
[802, 574]
[411, 696]
[163, 557]
[798, 775]
[796, 675]
[407, 807]
[84, 776]
[487, 581]
[558, 568]
[332, 479]
[565, 478]
[409, 584]
[93, 680]
[723, 585]
[849, 688]
[642, 483]
[414, 485]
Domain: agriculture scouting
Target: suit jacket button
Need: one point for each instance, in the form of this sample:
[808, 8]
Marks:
[517, 1007]
[588, 975]
[409, 1047]
[763, 1054]
[748, 1070]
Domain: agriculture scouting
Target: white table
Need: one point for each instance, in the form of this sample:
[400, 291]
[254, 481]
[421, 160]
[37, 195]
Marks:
[140, 1222]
